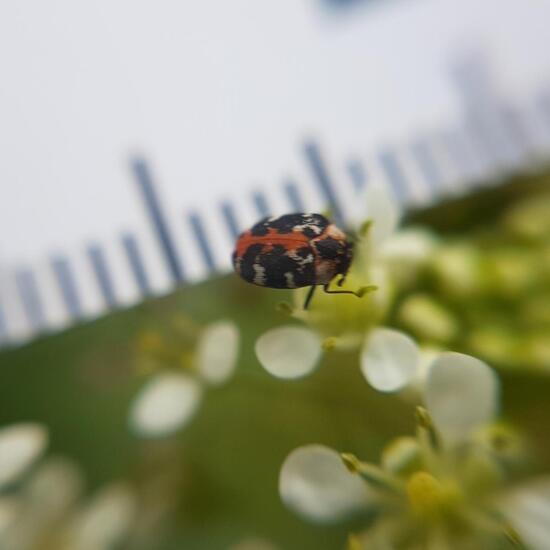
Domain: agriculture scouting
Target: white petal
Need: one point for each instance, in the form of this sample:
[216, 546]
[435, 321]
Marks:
[48, 498]
[389, 359]
[106, 519]
[165, 404]
[54, 488]
[461, 394]
[315, 484]
[401, 455]
[409, 245]
[383, 209]
[289, 352]
[528, 511]
[428, 355]
[20, 445]
[217, 351]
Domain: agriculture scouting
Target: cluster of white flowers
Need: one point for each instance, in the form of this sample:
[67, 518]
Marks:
[41, 502]
[446, 487]
[382, 255]
[389, 359]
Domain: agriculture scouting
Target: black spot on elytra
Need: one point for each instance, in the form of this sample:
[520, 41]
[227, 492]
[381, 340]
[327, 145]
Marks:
[287, 223]
[248, 260]
[259, 229]
[275, 263]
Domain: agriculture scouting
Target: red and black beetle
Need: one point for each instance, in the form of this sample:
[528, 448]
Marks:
[294, 251]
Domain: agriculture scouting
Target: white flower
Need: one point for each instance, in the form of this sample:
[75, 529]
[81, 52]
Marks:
[20, 446]
[170, 399]
[385, 240]
[314, 483]
[105, 520]
[289, 351]
[53, 488]
[389, 359]
[217, 352]
[380, 207]
[165, 404]
[412, 245]
[44, 502]
[449, 475]
[461, 393]
[48, 510]
[527, 508]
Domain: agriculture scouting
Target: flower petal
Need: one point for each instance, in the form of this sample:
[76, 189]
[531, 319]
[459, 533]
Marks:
[105, 520]
[20, 445]
[410, 246]
[401, 455]
[428, 354]
[289, 352]
[383, 209]
[528, 511]
[165, 404]
[461, 394]
[389, 359]
[46, 499]
[217, 352]
[315, 484]
[54, 488]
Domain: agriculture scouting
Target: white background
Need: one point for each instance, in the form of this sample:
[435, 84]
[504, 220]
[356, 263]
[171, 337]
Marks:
[218, 95]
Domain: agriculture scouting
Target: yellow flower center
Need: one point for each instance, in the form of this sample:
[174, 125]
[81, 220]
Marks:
[429, 497]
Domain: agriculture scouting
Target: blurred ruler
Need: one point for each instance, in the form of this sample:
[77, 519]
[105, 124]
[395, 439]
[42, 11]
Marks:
[138, 140]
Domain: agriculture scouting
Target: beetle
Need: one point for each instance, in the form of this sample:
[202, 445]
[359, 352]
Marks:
[294, 251]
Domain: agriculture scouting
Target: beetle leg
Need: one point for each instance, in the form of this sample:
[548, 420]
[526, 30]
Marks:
[328, 291]
[309, 296]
